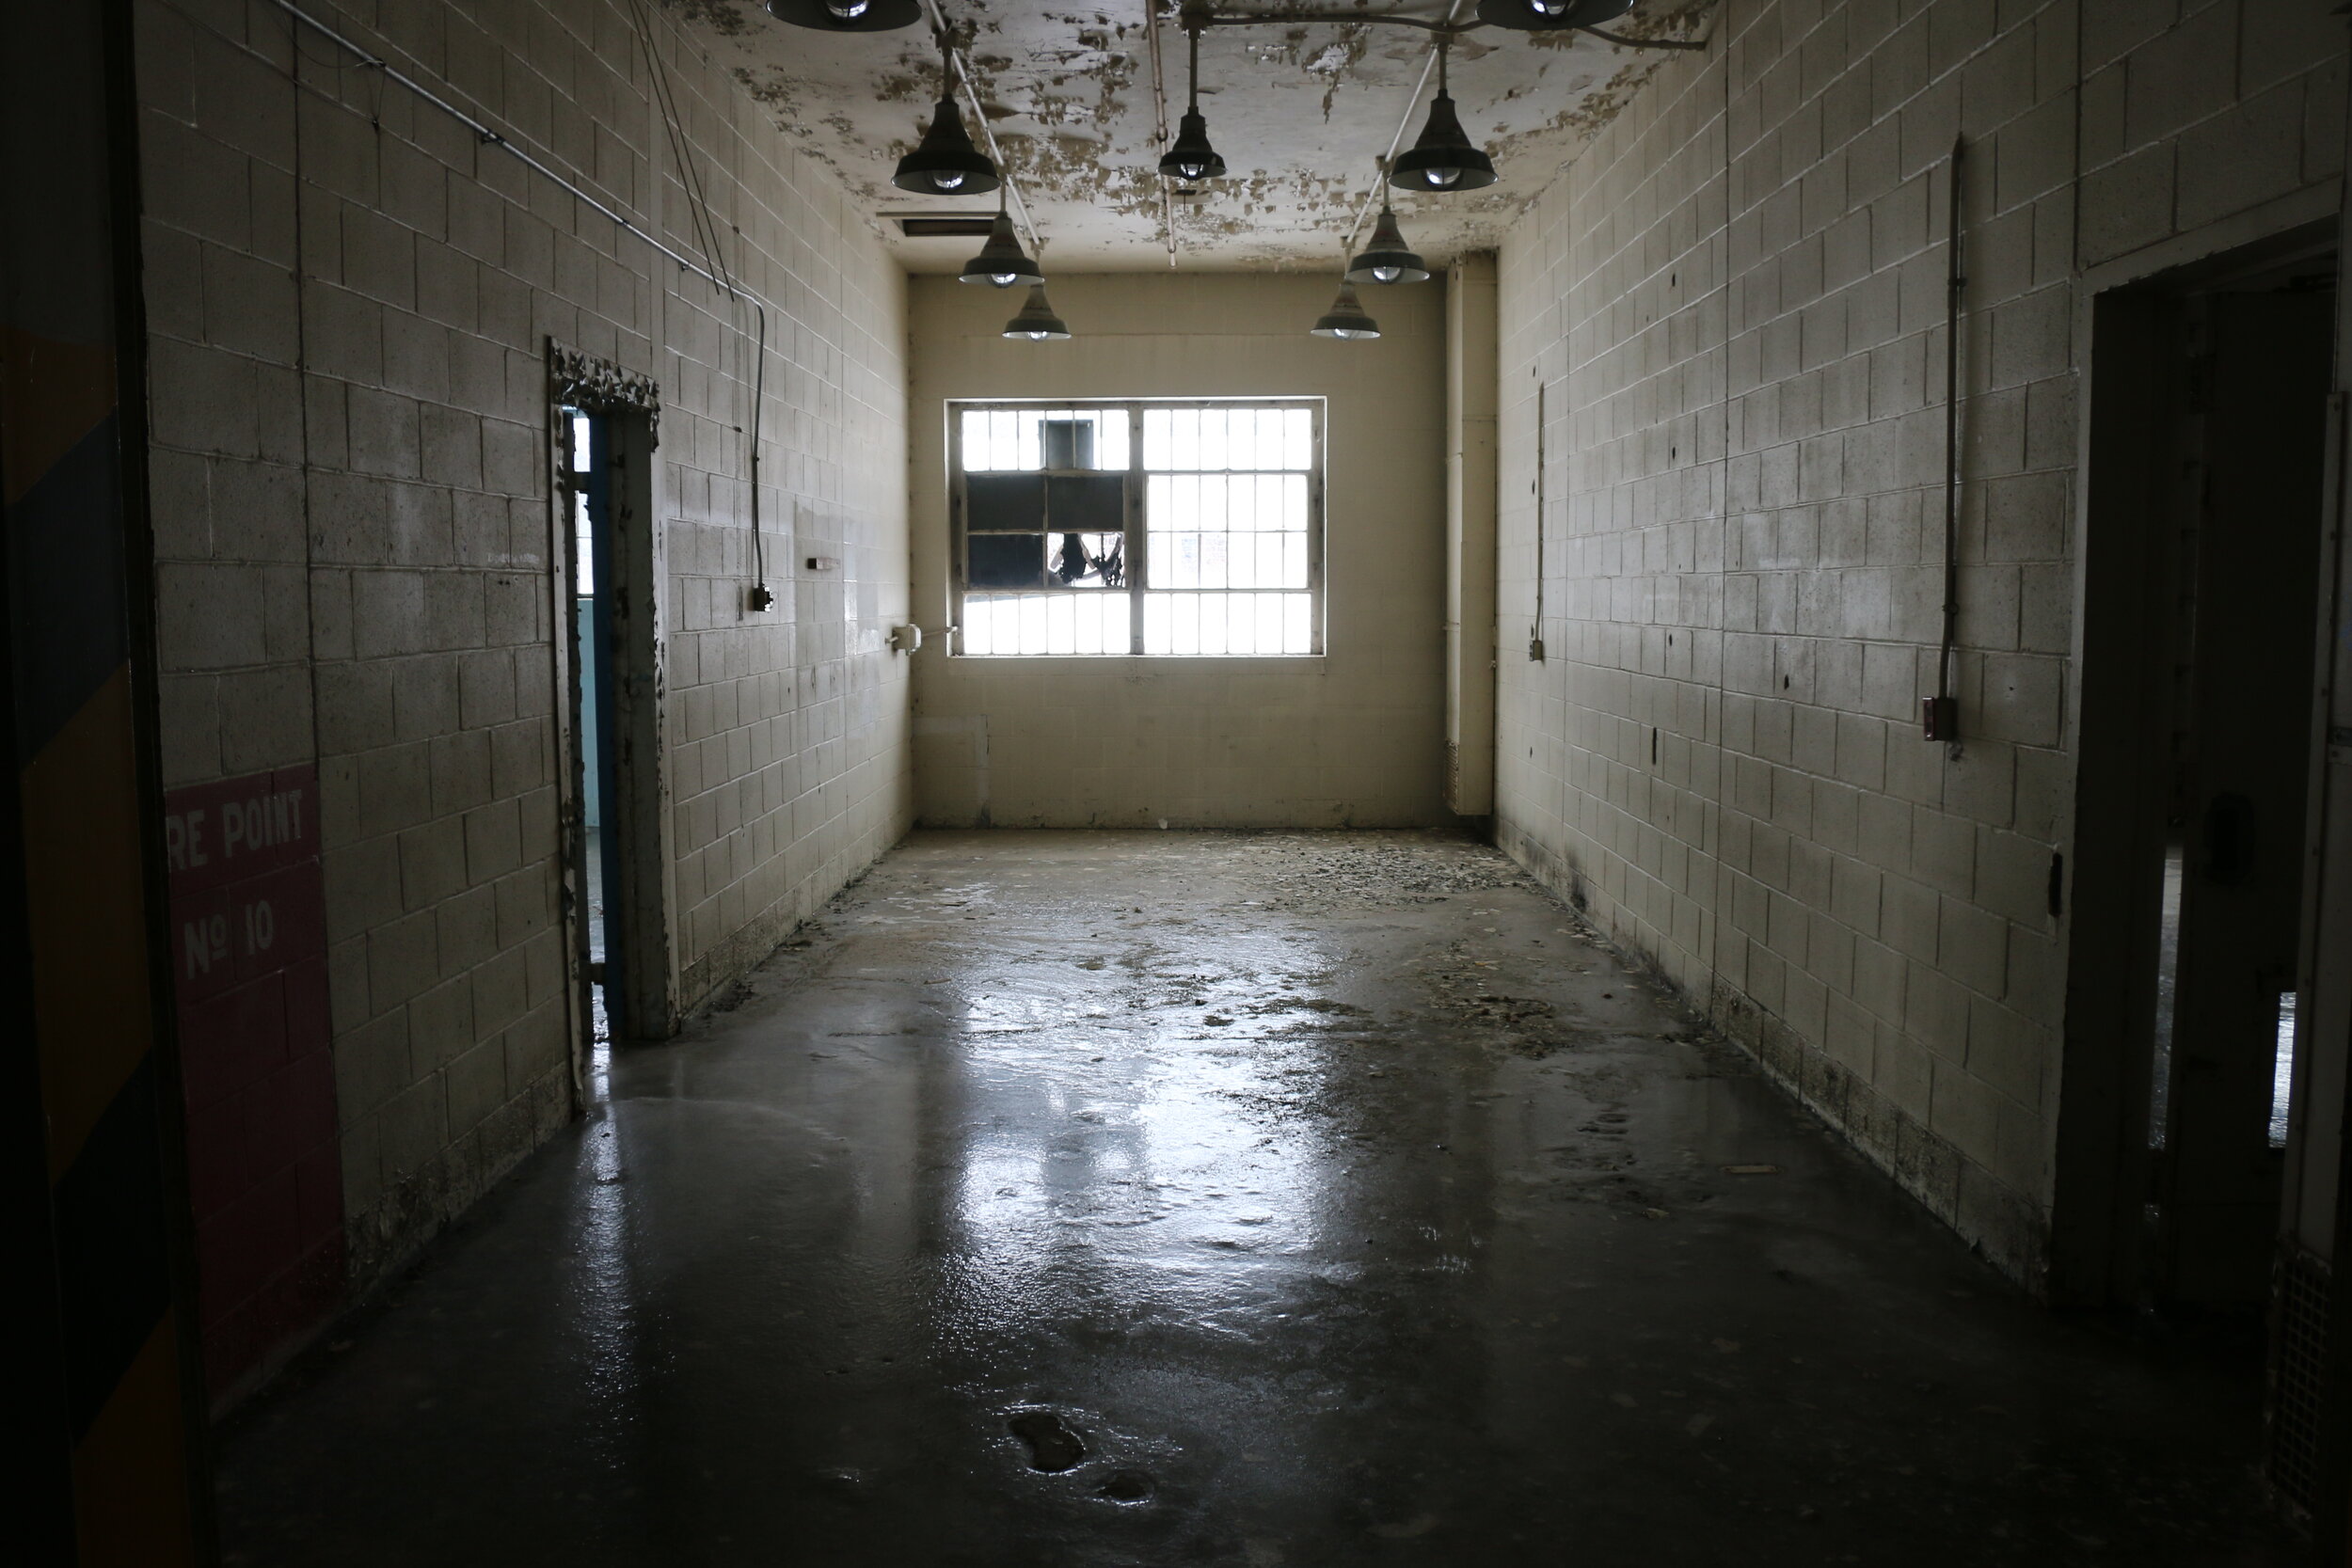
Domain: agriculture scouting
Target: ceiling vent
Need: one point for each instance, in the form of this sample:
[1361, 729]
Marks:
[945, 225]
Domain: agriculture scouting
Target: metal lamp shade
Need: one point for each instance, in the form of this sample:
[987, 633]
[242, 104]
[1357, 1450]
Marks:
[1190, 156]
[1346, 318]
[1385, 259]
[1543, 16]
[1001, 261]
[1037, 320]
[848, 16]
[946, 162]
[1443, 159]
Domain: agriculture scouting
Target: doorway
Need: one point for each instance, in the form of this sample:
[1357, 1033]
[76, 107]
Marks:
[2202, 553]
[2253, 426]
[615, 862]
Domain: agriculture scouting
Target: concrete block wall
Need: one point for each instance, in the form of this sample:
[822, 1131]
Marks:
[349, 297]
[1729, 311]
[1353, 737]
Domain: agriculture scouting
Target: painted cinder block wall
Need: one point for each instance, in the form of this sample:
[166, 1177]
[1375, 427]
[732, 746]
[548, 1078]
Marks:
[1353, 737]
[1733, 303]
[350, 299]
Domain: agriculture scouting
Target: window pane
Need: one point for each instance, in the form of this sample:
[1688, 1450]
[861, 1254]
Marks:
[1298, 438]
[1002, 503]
[584, 579]
[1007, 559]
[1088, 560]
[1226, 500]
[1228, 624]
[1067, 440]
[1045, 623]
[1089, 503]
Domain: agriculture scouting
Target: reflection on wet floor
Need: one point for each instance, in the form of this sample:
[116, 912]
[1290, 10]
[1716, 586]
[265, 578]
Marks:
[1126, 1199]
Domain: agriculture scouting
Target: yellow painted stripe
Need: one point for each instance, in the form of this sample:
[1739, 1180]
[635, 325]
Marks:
[55, 393]
[131, 1469]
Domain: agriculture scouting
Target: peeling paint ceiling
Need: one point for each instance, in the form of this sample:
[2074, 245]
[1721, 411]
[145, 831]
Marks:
[1300, 110]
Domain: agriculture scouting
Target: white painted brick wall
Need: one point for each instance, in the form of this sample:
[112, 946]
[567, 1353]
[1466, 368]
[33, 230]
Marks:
[1735, 299]
[349, 299]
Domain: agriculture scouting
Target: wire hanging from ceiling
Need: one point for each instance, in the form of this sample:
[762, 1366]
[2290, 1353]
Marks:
[707, 232]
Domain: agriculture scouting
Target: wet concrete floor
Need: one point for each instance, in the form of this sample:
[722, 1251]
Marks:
[1092, 1199]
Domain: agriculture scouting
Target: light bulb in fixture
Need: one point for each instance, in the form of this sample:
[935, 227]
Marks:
[1190, 157]
[848, 16]
[946, 162]
[1543, 16]
[1037, 321]
[1385, 259]
[1001, 262]
[1346, 318]
[1443, 158]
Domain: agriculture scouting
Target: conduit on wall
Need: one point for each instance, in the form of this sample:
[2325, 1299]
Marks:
[490, 137]
[1472, 349]
[1942, 716]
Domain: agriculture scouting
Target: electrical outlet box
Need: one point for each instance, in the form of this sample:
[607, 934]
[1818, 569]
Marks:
[760, 597]
[1535, 649]
[823, 563]
[1940, 717]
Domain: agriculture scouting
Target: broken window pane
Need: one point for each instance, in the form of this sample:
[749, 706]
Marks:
[1088, 559]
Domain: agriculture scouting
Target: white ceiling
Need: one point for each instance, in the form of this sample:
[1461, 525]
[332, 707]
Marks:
[1299, 110]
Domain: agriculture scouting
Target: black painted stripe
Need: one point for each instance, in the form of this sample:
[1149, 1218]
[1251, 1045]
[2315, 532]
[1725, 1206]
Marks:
[65, 550]
[113, 1279]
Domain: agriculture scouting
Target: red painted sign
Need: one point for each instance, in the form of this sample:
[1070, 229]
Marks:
[249, 945]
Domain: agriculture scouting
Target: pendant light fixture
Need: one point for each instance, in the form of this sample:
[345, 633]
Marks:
[1545, 16]
[1444, 158]
[1346, 318]
[1385, 259]
[847, 16]
[1001, 261]
[946, 162]
[1037, 321]
[1190, 157]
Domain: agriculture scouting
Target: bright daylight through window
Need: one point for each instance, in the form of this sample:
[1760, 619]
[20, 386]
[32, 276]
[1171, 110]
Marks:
[1184, 529]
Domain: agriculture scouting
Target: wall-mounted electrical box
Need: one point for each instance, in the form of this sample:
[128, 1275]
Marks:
[1940, 717]
[760, 597]
[823, 563]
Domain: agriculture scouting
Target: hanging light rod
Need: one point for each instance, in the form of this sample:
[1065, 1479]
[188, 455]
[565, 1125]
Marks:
[944, 162]
[963, 72]
[1189, 157]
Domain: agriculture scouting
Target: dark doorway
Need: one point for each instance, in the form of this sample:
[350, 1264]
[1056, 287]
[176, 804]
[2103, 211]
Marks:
[2253, 429]
[2202, 553]
[595, 674]
[617, 863]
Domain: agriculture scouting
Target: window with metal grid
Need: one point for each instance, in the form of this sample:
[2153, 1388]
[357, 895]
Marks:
[1171, 527]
